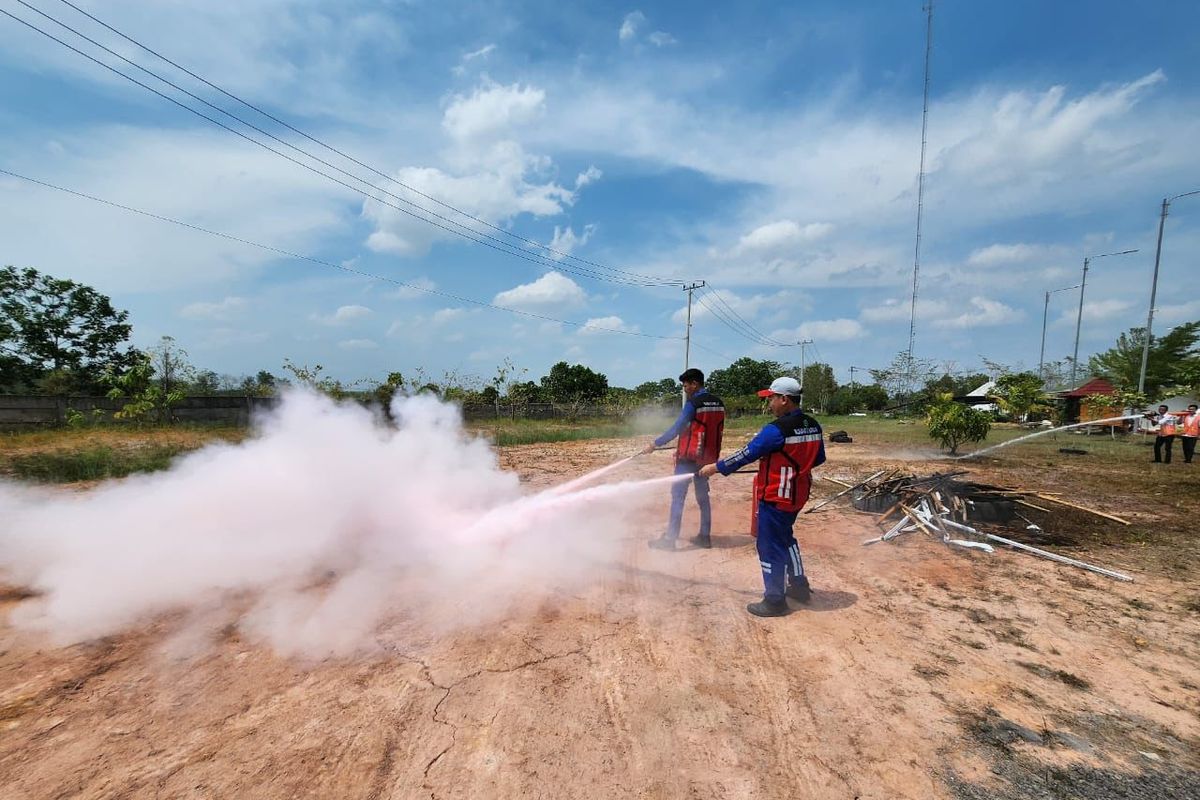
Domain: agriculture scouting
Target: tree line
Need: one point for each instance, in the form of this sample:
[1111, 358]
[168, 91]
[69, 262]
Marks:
[60, 337]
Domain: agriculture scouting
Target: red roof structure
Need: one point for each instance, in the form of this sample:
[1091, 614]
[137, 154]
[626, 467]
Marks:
[1090, 387]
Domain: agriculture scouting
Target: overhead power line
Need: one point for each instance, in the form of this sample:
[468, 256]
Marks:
[714, 352]
[322, 262]
[741, 328]
[720, 299]
[557, 261]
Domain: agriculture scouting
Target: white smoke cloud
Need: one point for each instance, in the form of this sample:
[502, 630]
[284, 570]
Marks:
[308, 536]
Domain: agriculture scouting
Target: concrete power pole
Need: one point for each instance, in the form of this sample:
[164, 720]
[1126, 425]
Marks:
[802, 343]
[687, 335]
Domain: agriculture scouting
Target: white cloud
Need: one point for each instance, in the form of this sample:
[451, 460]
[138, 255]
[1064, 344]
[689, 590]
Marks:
[1096, 310]
[306, 52]
[445, 315]
[344, 315]
[491, 176]
[482, 52]
[758, 309]
[602, 325]
[830, 330]
[629, 26]
[893, 310]
[1005, 254]
[227, 308]
[552, 290]
[209, 180]
[774, 237]
[984, 313]
[662, 39]
[1027, 132]
[491, 109]
[413, 290]
[218, 338]
[565, 240]
[1175, 313]
[589, 175]
[358, 344]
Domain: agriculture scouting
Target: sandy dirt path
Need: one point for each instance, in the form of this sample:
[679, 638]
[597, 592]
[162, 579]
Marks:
[916, 672]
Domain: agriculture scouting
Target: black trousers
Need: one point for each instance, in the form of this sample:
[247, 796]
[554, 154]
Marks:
[1159, 441]
[1189, 447]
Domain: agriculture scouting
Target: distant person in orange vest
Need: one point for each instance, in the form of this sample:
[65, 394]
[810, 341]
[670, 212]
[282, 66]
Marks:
[699, 427]
[1165, 439]
[1191, 430]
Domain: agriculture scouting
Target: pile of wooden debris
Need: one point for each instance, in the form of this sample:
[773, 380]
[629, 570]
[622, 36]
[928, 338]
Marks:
[947, 507]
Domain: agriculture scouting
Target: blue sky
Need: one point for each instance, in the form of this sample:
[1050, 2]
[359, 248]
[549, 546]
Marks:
[768, 149]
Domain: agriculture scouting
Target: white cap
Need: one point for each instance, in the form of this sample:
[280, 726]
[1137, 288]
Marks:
[785, 386]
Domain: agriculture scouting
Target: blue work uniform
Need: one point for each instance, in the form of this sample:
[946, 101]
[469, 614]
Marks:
[787, 450]
[684, 427]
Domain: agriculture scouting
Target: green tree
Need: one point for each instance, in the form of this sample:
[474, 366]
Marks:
[207, 383]
[313, 378]
[574, 384]
[743, 377]
[525, 393]
[958, 385]
[952, 424]
[145, 399]
[660, 391]
[902, 377]
[52, 325]
[1019, 394]
[1172, 357]
[819, 386]
[385, 392]
[859, 397]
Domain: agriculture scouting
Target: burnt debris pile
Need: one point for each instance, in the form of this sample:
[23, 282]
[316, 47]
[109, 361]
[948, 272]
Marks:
[949, 507]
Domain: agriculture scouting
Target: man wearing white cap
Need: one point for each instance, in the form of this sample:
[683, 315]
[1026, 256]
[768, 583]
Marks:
[789, 448]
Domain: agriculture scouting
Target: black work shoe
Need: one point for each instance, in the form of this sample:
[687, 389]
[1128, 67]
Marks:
[799, 590]
[661, 543]
[764, 608]
[701, 541]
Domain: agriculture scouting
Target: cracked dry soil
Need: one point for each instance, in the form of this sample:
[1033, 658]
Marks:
[917, 672]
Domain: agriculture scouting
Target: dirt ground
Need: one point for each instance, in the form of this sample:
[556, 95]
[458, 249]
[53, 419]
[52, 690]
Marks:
[916, 672]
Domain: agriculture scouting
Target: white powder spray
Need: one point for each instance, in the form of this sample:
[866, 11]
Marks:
[309, 534]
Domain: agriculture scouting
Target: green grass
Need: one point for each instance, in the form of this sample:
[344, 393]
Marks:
[97, 462]
[529, 431]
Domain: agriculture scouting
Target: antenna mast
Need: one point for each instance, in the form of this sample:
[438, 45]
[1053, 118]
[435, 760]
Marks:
[912, 324]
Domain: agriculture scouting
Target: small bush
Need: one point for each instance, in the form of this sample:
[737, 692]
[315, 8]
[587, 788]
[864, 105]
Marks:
[952, 424]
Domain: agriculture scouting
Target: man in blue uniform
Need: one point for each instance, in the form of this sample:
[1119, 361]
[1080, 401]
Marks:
[699, 427]
[787, 450]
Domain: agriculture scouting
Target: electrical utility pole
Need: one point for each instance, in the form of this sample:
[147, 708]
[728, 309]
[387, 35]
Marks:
[1045, 312]
[802, 343]
[1162, 220]
[687, 337]
[1079, 318]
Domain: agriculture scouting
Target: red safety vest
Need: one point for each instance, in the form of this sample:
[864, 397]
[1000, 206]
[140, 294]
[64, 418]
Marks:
[1191, 425]
[1167, 426]
[785, 476]
[700, 442]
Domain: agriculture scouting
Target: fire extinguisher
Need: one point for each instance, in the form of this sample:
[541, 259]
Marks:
[754, 507]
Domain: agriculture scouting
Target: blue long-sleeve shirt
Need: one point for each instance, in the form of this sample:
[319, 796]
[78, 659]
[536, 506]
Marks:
[686, 415]
[766, 441]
